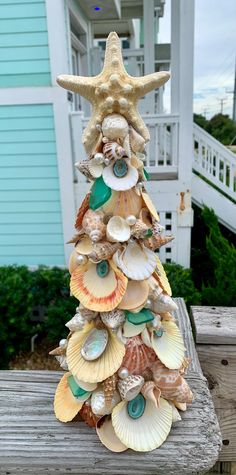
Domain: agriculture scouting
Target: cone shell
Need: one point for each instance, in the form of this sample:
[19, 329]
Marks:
[100, 294]
[138, 357]
[137, 142]
[107, 435]
[164, 303]
[152, 392]
[117, 229]
[99, 405]
[139, 230]
[156, 241]
[172, 385]
[113, 319]
[82, 210]
[87, 415]
[117, 183]
[96, 370]
[161, 277]
[147, 432]
[135, 296]
[170, 346]
[102, 251]
[115, 126]
[93, 225]
[135, 261]
[123, 203]
[66, 406]
[130, 387]
[149, 204]
[113, 150]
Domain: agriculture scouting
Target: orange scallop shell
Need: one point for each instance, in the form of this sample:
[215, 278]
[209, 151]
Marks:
[82, 210]
[138, 357]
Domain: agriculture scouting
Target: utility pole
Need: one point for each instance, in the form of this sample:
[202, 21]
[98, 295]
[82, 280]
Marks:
[205, 110]
[234, 100]
[222, 101]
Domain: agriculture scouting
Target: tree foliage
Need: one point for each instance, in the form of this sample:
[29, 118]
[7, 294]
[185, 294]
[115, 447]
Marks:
[219, 126]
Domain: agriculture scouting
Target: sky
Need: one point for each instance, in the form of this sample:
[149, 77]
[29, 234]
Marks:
[214, 54]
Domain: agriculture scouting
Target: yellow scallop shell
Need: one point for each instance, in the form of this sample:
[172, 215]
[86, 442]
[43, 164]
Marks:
[161, 277]
[149, 204]
[66, 406]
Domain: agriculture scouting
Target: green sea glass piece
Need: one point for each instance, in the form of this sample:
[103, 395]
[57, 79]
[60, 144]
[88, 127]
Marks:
[148, 233]
[144, 316]
[146, 174]
[100, 194]
[136, 407]
[76, 390]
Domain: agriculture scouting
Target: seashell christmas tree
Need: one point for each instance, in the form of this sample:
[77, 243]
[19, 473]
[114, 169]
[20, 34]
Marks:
[124, 355]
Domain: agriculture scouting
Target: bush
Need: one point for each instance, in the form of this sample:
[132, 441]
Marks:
[182, 284]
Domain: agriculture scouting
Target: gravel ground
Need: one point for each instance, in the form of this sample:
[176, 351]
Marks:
[39, 359]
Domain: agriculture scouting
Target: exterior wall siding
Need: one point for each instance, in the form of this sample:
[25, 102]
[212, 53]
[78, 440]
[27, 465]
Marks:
[30, 210]
[24, 52]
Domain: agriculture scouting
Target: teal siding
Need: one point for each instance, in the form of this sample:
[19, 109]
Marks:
[24, 53]
[30, 210]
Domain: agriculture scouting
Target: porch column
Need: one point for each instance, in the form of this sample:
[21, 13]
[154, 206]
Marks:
[182, 42]
[149, 49]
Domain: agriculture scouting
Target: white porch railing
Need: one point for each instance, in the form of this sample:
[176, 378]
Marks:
[214, 161]
[161, 151]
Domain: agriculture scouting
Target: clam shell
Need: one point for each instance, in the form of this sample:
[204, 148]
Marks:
[115, 126]
[99, 405]
[88, 416]
[96, 293]
[152, 392]
[107, 435]
[138, 357]
[147, 432]
[135, 295]
[66, 406]
[170, 346]
[82, 210]
[95, 168]
[84, 246]
[146, 217]
[117, 229]
[130, 330]
[161, 277]
[102, 251]
[139, 230]
[113, 319]
[93, 225]
[149, 204]
[130, 387]
[123, 203]
[137, 142]
[113, 150]
[76, 323]
[118, 183]
[135, 261]
[84, 385]
[164, 303]
[156, 241]
[172, 385]
[100, 369]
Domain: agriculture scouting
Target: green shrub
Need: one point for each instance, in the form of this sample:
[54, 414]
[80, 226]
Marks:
[182, 284]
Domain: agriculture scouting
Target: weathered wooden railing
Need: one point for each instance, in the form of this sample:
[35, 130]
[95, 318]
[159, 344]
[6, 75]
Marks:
[33, 442]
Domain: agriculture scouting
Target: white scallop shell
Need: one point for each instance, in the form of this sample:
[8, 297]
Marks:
[107, 435]
[170, 346]
[131, 330]
[123, 183]
[118, 229]
[99, 405]
[136, 261]
[95, 168]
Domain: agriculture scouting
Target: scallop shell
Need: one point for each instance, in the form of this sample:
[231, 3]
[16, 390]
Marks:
[84, 246]
[99, 405]
[82, 210]
[135, 261]
[76, 323]
[117, 229]
[172, 385]
[138, 357]
[147, 432]
[130, 387]
[135, 296]
[113, 150]
[170, 346]
[66, 406]
[100, 369]
[115, 126]
[118, 183]
[149, 204]
[164, 303]
[137, 142]
[176, 417]
[102, 251]
[93, 225]
[123, 203]
[161, 277]
[152, 392]
[136, 163]
[107, 435]
[73, 261]
[95, 168]
[155, 289]
[139, 230]
[146, 217]
[88, 416]
[84, 385]
[96, 293]
[156, 241]
[130, 330]
[113, 319]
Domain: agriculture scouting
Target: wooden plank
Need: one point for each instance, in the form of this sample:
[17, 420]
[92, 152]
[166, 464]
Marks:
[214, 325]
[32, 441]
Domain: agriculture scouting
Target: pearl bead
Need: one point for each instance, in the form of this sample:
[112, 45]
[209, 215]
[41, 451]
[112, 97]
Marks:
[106, 161]
[131, 220]
[98, 158]
[63, 343]
[139, 185]
[148, 303]
[123, 373]
[81, 259]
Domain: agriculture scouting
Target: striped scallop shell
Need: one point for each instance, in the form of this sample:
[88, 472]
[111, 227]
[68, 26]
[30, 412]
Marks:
[161, 277]
[138, 357]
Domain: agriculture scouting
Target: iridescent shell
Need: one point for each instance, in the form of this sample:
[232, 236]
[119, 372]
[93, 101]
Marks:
[122, 182]
[138, 357]
[93, 225]
[95, 344]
